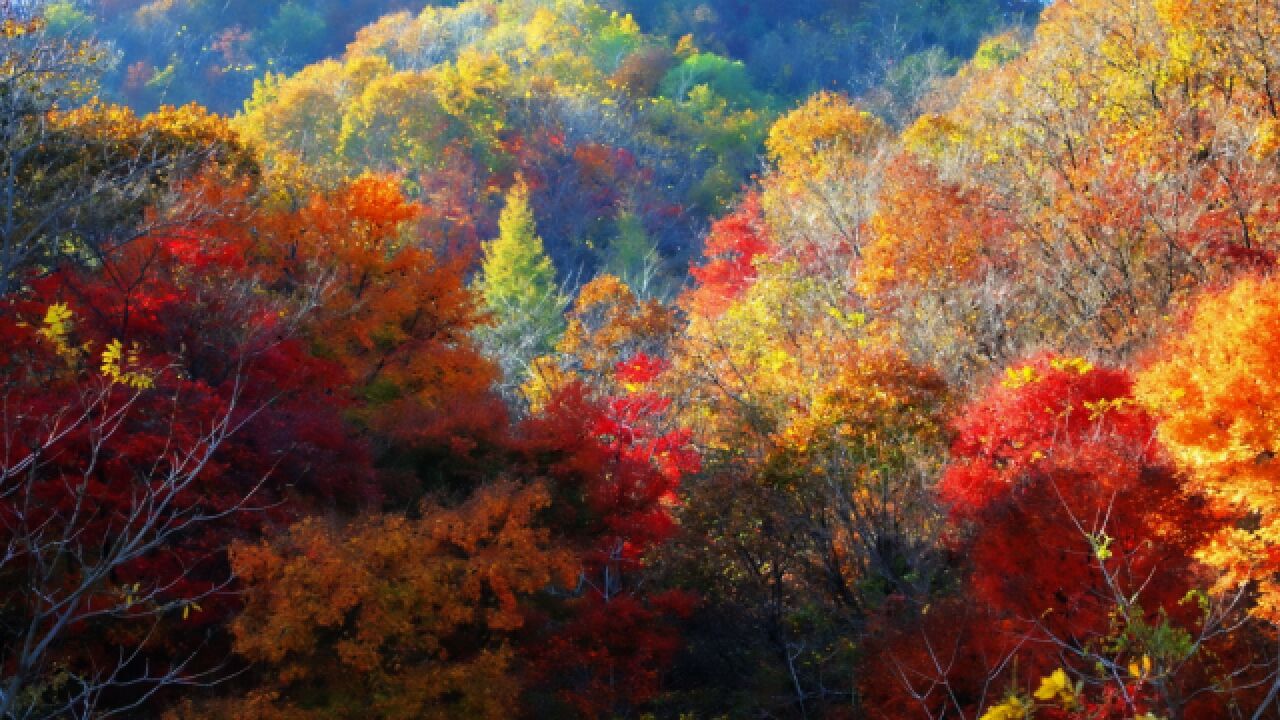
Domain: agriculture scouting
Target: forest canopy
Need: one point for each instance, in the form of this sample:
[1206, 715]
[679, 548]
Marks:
[653, 359]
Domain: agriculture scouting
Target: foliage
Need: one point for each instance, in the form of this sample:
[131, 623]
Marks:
[162, 407]
[731, 248]
[798, 49]
[1114, 169]
[405, 618]
[392, 395]
[392, 311]
[212, 53]
[518, 284]
[463, 100]
[616, 471]
[1079, 539]
[1211, 389]
[821, 440]
[80, 173]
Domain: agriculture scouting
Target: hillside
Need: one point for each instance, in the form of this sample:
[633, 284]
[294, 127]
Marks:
[555, 359]
[179, 51]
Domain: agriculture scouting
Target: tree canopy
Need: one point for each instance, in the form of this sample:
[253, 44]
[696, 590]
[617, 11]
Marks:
[640, 360]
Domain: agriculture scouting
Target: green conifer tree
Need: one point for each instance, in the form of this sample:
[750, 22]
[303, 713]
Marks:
[632, 257]
[518, 284]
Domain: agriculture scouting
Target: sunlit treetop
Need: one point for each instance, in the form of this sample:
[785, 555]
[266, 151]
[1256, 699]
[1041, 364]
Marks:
[826, 129]
[1212, 384]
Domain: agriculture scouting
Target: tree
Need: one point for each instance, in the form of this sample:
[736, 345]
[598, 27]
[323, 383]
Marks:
[395, 314]
[814, 511]
[77, 175]
[1122, 167]
[633, 258]
[606, 327]
[827, 154]
[154, 409]
[296, 121]
[821, 440]
[730, 249]
[615, 469]
[520, 291]
[400, 617]
[462, 99]
[1211, 386]
[1079, 540]
[74, 537]
[938, 266]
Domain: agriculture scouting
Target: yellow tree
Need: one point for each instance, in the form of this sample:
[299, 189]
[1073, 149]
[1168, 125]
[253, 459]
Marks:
[827, 156]
[296, 122]
[395, 121]
[518, 284]
[1215, 390]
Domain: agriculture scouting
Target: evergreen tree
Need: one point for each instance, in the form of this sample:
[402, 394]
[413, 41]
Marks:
[632, 257]
[517, 282]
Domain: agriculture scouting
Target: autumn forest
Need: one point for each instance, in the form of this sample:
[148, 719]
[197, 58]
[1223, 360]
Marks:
[640, 359]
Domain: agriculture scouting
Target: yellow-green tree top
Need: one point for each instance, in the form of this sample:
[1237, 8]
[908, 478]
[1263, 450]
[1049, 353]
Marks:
[516, 274]
[518, 284]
